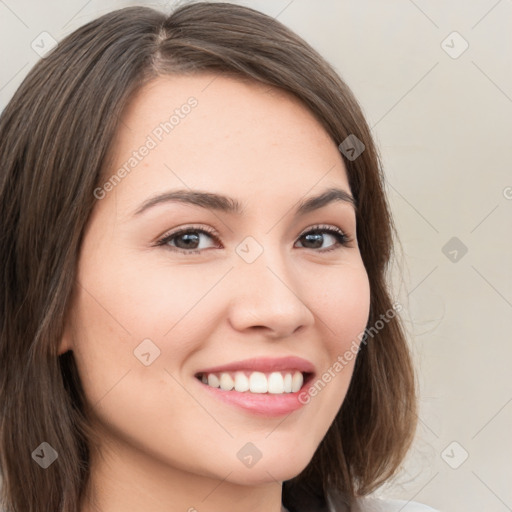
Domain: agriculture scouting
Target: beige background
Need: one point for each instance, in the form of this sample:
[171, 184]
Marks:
[443, 124]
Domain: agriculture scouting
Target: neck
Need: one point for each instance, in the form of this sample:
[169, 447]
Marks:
[129, 480]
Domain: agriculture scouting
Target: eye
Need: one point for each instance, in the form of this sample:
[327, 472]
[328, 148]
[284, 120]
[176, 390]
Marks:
[316, 237]
[187, 240]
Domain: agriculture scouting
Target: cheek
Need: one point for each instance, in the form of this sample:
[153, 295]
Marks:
[344, 307]
[122, 303]
[343, 310]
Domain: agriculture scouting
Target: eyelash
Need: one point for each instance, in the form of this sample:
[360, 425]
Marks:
[342, 239]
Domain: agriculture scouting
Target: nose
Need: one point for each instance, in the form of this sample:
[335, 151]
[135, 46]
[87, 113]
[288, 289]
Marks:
[267, 296]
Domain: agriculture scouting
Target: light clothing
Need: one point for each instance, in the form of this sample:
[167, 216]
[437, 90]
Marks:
[384, 505]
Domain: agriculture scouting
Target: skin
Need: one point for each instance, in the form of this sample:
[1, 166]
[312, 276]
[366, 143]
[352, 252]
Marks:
[167, 445]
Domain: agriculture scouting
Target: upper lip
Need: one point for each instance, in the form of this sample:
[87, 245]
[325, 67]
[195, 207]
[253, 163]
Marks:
[265, 365]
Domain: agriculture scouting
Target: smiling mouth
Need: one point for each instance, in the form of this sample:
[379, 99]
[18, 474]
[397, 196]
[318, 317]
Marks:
[275, 383]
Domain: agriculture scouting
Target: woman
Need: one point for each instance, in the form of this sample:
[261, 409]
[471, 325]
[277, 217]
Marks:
[144, 370]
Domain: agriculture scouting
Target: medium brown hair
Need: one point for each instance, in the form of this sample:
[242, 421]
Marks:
[55, 138]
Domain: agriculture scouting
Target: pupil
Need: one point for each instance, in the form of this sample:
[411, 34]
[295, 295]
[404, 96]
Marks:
[315, 237]
[189, 237]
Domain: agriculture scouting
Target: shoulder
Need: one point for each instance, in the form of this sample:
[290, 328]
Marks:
[385, 505]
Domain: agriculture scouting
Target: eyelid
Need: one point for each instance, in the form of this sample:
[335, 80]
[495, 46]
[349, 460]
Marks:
[321, 227]
[191, 227]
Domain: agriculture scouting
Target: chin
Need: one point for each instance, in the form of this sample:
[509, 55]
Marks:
[274, 469]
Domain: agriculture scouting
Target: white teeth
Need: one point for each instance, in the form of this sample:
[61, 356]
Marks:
[226, 382]
[297, 381]
[241, 382]
[213, 380]
[275, 383]
[258, 382]
[288, 383]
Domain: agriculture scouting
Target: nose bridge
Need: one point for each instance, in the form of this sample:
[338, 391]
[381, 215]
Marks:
[266, 294]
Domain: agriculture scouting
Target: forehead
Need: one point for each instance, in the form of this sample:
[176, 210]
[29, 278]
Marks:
[214, 132]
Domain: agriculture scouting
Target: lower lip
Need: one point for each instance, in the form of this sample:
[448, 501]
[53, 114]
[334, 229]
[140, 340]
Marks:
[264, 404]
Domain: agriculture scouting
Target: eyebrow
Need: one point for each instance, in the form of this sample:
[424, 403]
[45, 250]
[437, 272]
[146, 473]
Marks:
[226, 204]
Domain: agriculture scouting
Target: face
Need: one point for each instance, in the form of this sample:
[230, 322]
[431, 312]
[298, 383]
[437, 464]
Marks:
[178, 294]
